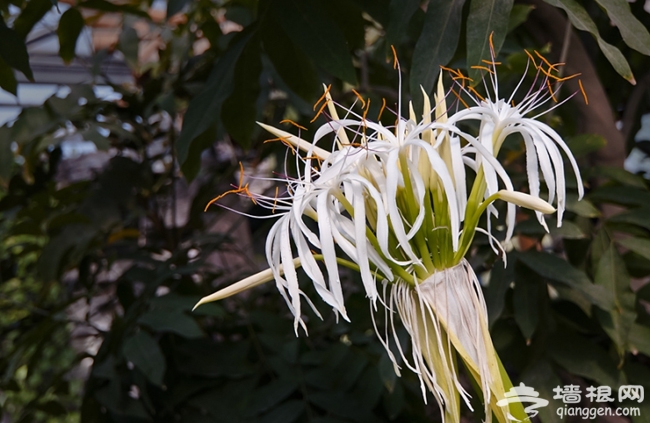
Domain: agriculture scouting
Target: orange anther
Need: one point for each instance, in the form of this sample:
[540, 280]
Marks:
[383, 106]
[363, 103]
[293, 123]
[327, 90]
[584, 93]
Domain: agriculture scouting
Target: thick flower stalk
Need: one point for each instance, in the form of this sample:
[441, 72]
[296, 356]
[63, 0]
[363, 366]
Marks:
[395, 201]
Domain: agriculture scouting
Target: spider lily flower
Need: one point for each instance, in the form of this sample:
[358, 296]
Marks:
[394, 201]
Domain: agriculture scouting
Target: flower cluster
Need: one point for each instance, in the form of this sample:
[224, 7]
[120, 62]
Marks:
[396, 201]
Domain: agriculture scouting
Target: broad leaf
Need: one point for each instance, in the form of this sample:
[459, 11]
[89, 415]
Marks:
[581, 356]
[178, 323]
[309, 28]
[519, 15]
[13, 51]
[32, 13]
[500, 279]
[581, 20]
[639, 217]
[641, 246]
[487, 19]
[526, 300]
[639, 339]
[143, 351]
[293, 66]
[555, 269]
[634, 33]
[7, 78]
[401, 12]
[239, 111]
[70, 26]
[581, 145]
[436, 45]
[202, 115]
[129, 43]
[612, 275]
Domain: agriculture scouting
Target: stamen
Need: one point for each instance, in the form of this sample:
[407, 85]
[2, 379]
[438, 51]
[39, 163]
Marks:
[550, 90]
[483, 68]
[551, 66]
[476, 93]
[284, 141]
[383, 106]
[293, 123]
[490, 62]
[584, 93]
[327, 90]
[459, 98]
[491, 44]
[532, 59]
[566, 78]
[450, 70]
[395, 62]
[363, 103]
[320, 111]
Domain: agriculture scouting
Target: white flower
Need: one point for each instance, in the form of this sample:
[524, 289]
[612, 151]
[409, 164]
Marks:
[394, 200]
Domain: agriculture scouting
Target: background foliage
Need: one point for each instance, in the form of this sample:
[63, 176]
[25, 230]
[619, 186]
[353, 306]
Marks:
[98, 274]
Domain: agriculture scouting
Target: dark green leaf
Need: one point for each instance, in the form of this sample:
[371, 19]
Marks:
[555, 269]
[175, 6]
[543, 378]
[342, 405]
[582, 207]
[129, 44]
[568, 230]
[178, 323]
[436, 45]
[639, 339]
[387, 372]
[624, 195]
[204, 110]
[143, 351]
[239, 111]
[582, 357]
[488, 19]
[13, 51]
[581, 20]
[393, 402]
[6, 159]
[33, 12]
[270, 395]
[634, 32]
[639, 217]
[641, 246]
[7, 78]
[620, 175]
[293, 66]
[581, 145]
[495, 294]
[401, 12]
[612, 275]
[526, 300]
[519, 15]
[70, 27]
[285, 413]
[306, 23]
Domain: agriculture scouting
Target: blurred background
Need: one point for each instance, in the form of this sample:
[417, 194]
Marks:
[122, 119]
